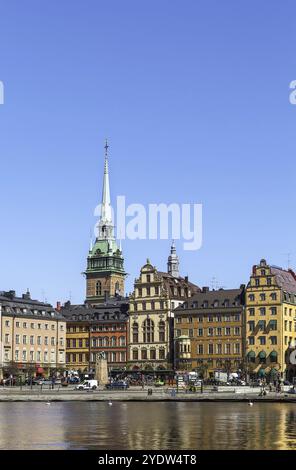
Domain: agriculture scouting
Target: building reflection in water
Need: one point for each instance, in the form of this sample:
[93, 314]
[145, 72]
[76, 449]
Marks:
[147, 426]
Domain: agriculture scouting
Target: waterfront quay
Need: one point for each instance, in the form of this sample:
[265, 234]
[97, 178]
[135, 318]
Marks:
[150, 394]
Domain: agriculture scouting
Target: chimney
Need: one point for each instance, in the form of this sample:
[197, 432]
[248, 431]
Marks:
[186, 279]
[205, 289]
[27, 295]
[58, 308]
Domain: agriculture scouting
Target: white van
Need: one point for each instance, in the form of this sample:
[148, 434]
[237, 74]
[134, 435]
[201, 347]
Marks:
[87, 385]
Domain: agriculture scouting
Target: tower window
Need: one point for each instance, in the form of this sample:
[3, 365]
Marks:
[99, 288]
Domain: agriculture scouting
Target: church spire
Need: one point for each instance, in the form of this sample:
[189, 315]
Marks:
[173, 261]
[106, 224]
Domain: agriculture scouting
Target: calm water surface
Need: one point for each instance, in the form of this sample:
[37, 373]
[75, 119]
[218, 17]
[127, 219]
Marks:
[147, 426]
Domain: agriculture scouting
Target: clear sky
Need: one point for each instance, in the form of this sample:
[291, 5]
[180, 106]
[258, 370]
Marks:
[194, 98]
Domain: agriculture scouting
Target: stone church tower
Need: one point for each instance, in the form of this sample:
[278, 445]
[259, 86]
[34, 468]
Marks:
[105, 273]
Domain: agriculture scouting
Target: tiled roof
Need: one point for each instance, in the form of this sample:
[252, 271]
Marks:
[284, 279]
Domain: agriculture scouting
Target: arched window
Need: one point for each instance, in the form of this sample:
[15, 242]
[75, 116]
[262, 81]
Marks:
[117, 288]
[148, 331]
[94, 343]
[106, 341]
[113, 341]
[122, 340]
[161, 329]
[98, 288]
[100, 342]
[135, 332]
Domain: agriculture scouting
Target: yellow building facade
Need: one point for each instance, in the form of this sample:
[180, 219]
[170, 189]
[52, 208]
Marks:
[33, 336]
[209, 332]
[270, 322]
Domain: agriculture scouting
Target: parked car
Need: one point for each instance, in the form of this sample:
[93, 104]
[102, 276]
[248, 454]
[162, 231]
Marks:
[118, 385]
[74, 380]
[87, 385]
[159, 383]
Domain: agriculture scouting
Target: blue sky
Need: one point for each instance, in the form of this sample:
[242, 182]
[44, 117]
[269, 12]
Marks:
[194, 98]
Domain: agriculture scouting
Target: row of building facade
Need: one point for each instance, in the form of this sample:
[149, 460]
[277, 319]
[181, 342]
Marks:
[167, 323]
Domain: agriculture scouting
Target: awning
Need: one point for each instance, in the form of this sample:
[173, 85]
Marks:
[40, 370]
[251, 354]
[261, 372]
[273, 354]
[262, 355]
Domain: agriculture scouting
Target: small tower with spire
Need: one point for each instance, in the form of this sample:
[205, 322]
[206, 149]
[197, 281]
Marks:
[105, 273]
[173, 261]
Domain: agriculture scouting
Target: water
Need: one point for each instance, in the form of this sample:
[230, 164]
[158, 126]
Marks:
[147, 426]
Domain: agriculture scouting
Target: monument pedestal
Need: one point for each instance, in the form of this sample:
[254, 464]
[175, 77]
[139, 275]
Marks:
[101, 374]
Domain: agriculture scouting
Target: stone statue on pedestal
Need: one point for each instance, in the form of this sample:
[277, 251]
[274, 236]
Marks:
[101, 374]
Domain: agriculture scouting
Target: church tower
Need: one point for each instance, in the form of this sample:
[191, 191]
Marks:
[173, 262]
[105, 271]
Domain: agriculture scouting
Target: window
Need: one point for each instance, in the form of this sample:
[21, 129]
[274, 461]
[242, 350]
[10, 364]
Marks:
[200, 332]
[257, 282]
[144, 354]
[262, 311]
[24, 355]
[237, 330]
[219, 331]
[227, 348]
[161, 331]
[211, 348]
[31, 340]
[153, 354]
[17, 339]
[200, 349]
[32, 356]
[236, 348]
[148, 278]
[273, 311]
[251, 340]
[251, 325]
[162, 353]
[16, 355]
[219, 348]
[227, 331]
[24, 339]
[148, 331]
[135, 355]
[24, 325]
[6, 322]
[117, 290]
[251, 297]
[273, 324]
[135, 332]
[262, 340]
[210, 331]
[6, 338]
[273, 296]
[32, 326]
[268, 281]
[98, 288]
[262, 297]
[273, 340]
